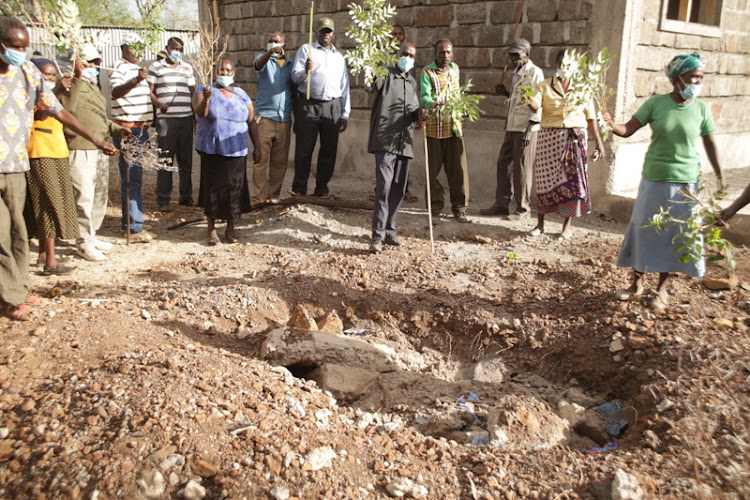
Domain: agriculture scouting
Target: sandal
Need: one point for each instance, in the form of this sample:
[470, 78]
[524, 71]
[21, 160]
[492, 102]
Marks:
[212, 242]
[410, 198]
[628, 294]
[20, 312]
[231, 238]
[34, 301]
[58, 270]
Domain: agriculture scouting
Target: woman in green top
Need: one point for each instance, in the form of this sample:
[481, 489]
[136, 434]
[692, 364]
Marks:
[672, 164]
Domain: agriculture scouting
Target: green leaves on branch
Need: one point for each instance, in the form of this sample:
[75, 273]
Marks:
[66, 26]
[150, 28]
[699, 235]
[376, 48]
[460, 103]
[588, 83]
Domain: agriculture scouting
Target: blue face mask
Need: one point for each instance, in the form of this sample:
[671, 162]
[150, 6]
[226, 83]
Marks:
[691, 90]
[175, 55]
[225, 81]
[405, 63]
[13, 57]
[90, 73]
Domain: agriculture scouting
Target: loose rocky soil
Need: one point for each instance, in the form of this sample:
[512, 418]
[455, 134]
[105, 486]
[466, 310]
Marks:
[144, 376]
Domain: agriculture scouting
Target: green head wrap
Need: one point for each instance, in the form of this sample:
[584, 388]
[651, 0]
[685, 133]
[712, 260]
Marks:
[684, 63]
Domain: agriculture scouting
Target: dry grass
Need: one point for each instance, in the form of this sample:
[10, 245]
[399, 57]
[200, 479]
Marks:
[211, 49]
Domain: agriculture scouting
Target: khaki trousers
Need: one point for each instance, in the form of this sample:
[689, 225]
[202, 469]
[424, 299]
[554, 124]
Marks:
[89, 173]
[14, 241]
[274, 146]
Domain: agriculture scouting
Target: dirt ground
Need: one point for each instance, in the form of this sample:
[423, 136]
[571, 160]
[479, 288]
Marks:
[142, 377]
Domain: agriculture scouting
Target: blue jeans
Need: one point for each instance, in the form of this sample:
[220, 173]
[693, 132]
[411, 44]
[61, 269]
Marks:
[136, 180]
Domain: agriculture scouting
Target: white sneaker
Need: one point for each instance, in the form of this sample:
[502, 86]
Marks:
[102, 245]
[89, 252]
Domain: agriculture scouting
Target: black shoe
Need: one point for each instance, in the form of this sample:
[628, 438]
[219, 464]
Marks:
[188, 203]
[165, 208]
[461, 217]
[376, 246]
[392, 241]
[494, 210]
[435, 214]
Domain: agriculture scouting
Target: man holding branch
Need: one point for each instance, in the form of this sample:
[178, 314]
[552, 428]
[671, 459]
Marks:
[326, 112]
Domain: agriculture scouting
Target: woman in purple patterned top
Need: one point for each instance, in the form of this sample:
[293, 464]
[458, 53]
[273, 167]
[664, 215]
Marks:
[225, 116]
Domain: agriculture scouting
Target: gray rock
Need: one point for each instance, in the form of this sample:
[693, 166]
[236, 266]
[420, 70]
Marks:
[193, 491]
[172, 461]
[287, 347]
[344, 382]
[151, 483]
[403, 487]
[490, 371]
[320, 458]
[279, 493]
[616, 345]
[626, 487]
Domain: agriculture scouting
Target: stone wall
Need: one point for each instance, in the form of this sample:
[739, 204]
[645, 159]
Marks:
[481, 31]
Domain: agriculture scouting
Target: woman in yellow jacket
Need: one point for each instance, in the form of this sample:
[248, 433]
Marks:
[50, 210]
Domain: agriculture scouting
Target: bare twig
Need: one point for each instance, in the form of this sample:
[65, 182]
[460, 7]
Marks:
[212, 48]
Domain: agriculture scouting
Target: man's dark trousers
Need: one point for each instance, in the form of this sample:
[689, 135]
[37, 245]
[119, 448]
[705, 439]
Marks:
[175, 138]
[316, 118]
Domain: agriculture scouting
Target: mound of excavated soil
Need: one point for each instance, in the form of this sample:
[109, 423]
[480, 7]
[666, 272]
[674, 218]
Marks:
[144, 376]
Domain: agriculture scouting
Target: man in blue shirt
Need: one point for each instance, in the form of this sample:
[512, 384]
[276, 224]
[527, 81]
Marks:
[325, 113]
[273, 114]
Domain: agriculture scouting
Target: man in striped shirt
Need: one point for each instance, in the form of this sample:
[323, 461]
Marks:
[172, 86]
[131, 108]
[445, 143]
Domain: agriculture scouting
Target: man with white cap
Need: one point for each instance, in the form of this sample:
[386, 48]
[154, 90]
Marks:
[89, 167]
[172, 86]
[326, 112]
[132, 108]
[515, 165]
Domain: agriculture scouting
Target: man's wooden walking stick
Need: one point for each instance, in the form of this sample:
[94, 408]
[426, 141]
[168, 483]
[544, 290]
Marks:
[310, 47]
[427, 182]
[127, 204]
[513, 39]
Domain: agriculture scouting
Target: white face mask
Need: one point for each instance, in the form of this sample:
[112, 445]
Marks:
[49, 86]
[272, 45]
[225, 81]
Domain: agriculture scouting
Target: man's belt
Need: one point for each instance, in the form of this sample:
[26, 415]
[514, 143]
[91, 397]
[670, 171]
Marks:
[140, 125]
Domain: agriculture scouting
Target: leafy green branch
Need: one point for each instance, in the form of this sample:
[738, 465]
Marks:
[459, 103]
[699, 234]
[150, 28]
[375, 47]
[588, 83]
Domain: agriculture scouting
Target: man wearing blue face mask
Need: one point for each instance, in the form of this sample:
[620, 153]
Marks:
[89, 168]
[172, 86]
[394, 112]
[23, 91]
[273, 114]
